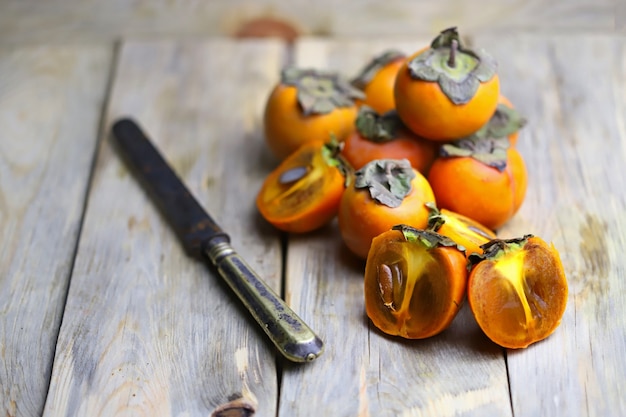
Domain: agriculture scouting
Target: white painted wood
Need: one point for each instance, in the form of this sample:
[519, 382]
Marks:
[80, 20]
[573, 91]
[148, 330]
[365, 372]
[50, 107]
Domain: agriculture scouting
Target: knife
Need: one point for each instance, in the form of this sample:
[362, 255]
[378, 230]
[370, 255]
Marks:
[202, 236]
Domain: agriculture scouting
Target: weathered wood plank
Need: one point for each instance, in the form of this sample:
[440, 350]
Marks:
[573, 91]
[148, 330]
[50, 105]
[364, 372]
[80, 20]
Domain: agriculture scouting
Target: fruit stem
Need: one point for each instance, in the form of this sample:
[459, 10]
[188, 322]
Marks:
[453, 48]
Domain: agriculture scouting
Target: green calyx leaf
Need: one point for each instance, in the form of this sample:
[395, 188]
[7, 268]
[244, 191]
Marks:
[496, 248]
[387, 180]
[435, 218]
[428, 238]
[331, 152]
[489, 151]
[376, 127]
[320, 92]
[368, 72]
[458, 70]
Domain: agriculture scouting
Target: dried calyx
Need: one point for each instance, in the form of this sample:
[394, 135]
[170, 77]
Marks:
[387, 180]
[368, 73]
[458, 70]
[320, 92]
[504, 122]
[427, 238]
[489, 151]
[377, 127]
[490, 143]
[496, 248]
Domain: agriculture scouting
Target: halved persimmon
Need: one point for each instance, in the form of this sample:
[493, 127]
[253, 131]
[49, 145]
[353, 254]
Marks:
[517, 290]
[446, 92]
[466, 232]
[304, 191]
[384, 136]
[415, 282]
[383, 193]
[308, 105]
[377, 79]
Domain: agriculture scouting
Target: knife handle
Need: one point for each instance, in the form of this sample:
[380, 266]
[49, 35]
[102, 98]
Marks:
[291, 336]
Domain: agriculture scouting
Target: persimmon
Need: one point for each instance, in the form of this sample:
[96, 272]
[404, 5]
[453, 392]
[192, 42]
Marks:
[483, 179]
[304, 191]
[447, 91]
[415, 282]
[384, 136]
[377, 79]
[466, 232]
[517, 290]
[308, 105]
[383, 193]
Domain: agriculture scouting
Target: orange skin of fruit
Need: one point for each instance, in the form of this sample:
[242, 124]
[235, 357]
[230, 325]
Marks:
[361, 218]
[428, 112]
[314, 206]
[379, 91]
[421, 153]
[513, 136]
[287, 127]
[431, 313]
[478, 191]
[512, 316]
[459, 229]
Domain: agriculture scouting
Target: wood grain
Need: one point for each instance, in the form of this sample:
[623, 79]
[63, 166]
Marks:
[34, 21]
[148, 330]
[50, 105]
[573, 92]
[365, 372]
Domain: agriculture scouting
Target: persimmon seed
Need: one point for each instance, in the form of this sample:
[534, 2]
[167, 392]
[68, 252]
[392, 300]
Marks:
[385, 284]
[293, 174]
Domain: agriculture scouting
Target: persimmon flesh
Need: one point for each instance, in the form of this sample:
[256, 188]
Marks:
[518, 292]
[413, 288]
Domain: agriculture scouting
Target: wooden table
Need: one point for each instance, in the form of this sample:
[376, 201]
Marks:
[103, 314]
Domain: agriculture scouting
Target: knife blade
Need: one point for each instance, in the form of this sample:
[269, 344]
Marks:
[202, 236]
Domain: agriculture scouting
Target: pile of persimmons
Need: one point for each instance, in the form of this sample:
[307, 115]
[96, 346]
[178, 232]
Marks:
[416, 158]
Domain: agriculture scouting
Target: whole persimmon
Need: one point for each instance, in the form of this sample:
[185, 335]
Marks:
[384, 193]
[308, 105]
[304, 191]
[446, 92]
[377, 79]
[384, 136]
[483, 179]
[517, 290]
[415, 282]
[466, 232]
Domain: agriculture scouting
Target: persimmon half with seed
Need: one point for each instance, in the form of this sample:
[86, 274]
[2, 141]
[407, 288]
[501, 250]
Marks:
[415, 282]
[304, 191]
[517, 290]
[466, 232]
